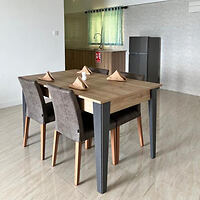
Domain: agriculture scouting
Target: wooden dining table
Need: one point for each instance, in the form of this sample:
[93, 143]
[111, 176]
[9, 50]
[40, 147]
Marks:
[103, 98]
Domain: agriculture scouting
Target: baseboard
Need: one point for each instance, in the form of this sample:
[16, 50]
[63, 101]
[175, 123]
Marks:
[183, 91]
[10, 103]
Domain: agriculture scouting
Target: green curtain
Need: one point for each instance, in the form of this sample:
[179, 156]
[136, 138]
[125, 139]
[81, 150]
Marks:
[109, 24]
[94, 27]
[112, 27]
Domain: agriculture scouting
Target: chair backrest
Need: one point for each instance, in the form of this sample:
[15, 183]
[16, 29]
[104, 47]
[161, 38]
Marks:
[99, 70]
[133, 76]
[67, 113]
[34, 100]
[136, 77]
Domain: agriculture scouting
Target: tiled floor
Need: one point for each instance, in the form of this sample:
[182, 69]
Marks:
[173, 175]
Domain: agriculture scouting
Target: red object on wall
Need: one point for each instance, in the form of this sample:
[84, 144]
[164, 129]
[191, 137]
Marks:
[98, 57]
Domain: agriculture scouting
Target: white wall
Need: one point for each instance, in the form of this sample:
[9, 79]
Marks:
[27, 45]
[180, 34]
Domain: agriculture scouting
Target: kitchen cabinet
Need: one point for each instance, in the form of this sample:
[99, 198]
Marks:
[105, 59]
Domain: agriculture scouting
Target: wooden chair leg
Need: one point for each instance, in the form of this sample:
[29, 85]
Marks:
[77, 162]
[55, 147]
[88, 143]
[26, 129]
[139, 121]
[43, 138]
[115, 137]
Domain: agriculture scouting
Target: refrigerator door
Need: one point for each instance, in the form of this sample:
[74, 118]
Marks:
[138, 64]
[138, 44]
[154, 60]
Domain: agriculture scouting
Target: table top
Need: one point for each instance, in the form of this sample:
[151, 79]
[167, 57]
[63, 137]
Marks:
[120, 94]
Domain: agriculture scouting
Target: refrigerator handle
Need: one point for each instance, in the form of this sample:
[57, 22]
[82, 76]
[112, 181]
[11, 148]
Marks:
[135, 53]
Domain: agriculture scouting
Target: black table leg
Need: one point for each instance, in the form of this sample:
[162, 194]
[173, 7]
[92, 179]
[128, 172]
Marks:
[152, 121]
[101, 114]
[24, 110]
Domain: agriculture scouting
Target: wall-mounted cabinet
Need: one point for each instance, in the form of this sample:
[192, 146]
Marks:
[107, 59]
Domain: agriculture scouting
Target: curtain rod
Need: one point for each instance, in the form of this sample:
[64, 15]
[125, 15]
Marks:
[105, 9]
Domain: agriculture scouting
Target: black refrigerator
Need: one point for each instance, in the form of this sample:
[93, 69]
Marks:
[144, 57]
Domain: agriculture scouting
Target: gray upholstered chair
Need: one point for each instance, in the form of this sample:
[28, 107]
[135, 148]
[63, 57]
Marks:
[72, 123]
[37, 110]
[133, 76]
[99, 70]
[123, 117]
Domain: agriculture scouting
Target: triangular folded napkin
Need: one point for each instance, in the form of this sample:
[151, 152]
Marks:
[79, 84]
[47, 77]
[86, 70]
[116, 76]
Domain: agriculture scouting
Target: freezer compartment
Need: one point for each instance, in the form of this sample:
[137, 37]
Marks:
[138, 44]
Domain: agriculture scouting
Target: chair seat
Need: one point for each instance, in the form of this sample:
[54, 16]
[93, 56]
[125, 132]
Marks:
[89, 127]
[125, 115]
[49, 112]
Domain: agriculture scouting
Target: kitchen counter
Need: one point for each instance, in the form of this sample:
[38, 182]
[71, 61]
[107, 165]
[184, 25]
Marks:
[99, 50]
[111, 59]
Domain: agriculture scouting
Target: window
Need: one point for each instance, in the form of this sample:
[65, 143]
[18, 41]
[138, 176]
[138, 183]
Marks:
[105, 27]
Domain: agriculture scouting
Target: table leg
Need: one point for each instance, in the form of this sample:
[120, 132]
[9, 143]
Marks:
[24, 110]
[152, 121]
[101, 114]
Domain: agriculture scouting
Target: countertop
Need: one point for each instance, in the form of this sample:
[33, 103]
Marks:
[99, 50]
